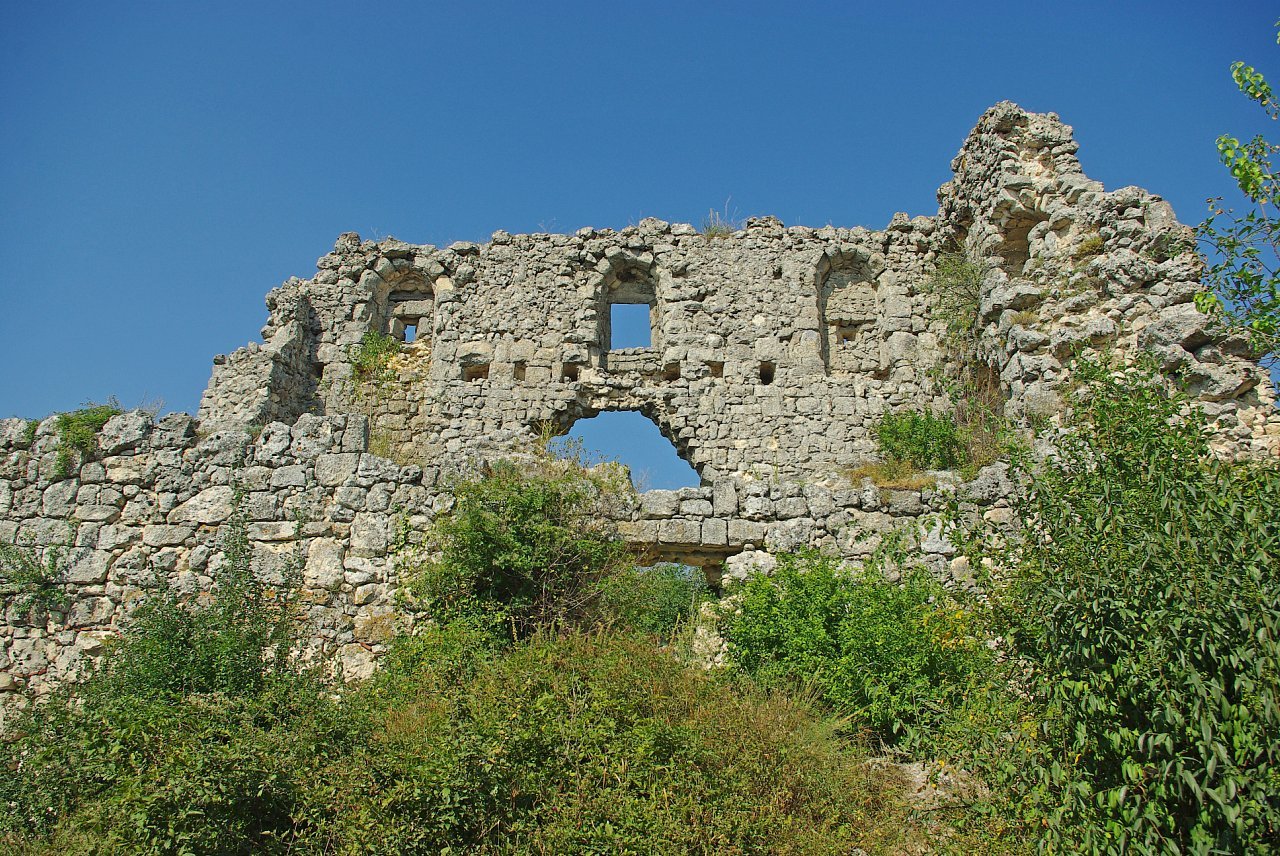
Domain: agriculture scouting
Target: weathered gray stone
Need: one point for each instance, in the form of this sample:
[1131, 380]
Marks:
[324, 564]
[211, 505]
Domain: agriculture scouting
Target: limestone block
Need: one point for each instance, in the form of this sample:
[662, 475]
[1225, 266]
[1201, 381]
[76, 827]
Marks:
[59, 498]
[272, 531]
[792, 506]
[748, 563]
[324, 569]
[659, 503]
[746, 532]
[1182, 325]
[370, 534]
[334, 469]
[374, 624]
[290, 476]
[367, 593]
[211, 505]
[88, 567]
[757, 508]
[715, 532]
[89, 611]
[724, 498]
[679, 532]
[695, 508]
[160, 535]
[124, 432]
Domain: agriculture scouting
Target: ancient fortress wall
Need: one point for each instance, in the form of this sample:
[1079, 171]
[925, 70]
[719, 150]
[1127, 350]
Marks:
[774, 351]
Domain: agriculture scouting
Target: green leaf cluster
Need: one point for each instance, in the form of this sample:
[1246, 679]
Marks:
[1244, 249]
[897, 657]
[1141, 609]
[922, 439]
[78, 434]
[371, 358]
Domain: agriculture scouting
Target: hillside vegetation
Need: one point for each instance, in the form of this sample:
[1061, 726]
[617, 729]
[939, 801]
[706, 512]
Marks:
[1111, 685]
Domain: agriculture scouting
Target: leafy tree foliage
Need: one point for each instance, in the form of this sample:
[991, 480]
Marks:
[1141, 612]
[1245, 274]
[897, 657]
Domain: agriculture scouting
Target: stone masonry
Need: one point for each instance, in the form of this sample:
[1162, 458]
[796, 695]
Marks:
[774, 351]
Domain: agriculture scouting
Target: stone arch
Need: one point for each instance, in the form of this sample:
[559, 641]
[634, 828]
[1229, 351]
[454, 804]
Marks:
[848, 314]
[409, 305]
[628, 281]
[677, 430]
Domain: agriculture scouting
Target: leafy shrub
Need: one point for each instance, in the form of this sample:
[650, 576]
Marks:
[177, 741]
[370, 358]
[524, 547]
[78, 434]
[921, 439]
[561, 744]
[1142, 601]
[35, 576]
[896, 657]
[233, 646]
[655, 600]
[956, 286]
[580, 744]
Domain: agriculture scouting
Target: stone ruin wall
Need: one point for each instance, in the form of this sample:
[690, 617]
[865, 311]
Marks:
[774, 350]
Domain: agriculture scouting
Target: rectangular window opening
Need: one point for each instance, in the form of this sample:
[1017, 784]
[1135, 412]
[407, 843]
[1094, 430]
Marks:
[517, 371]
[569, 372]
[716, 369]
[767, 370]
[475, 373]
[410, 332]
[630, 326]
[671, 371]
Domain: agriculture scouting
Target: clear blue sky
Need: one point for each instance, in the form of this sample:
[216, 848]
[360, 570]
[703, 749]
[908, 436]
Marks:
[162, 165]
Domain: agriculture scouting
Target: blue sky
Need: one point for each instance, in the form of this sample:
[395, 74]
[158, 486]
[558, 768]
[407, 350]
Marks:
[163, 165]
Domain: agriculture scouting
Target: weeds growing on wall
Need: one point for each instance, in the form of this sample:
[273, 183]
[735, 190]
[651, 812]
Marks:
[35, 576]
[720, 224]
[911, 442]
[956, 286]
[78, 434]
[371, 358]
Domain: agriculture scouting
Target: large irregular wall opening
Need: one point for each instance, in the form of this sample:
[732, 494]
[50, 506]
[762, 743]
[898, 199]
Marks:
[631, 438]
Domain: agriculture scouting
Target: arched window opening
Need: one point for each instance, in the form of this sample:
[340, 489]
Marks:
[411, 316]
[630, 438]
[848, 310]
[629, 316]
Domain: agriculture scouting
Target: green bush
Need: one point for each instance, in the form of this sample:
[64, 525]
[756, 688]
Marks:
[656, 600]
[956, 286]
[896, 657]
[584, 744]
[1141, 609]
[78, 434]
[370, 358]
[573, 744]
[525, 547]
[35, 576]
[921, 439]
[179, 740]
